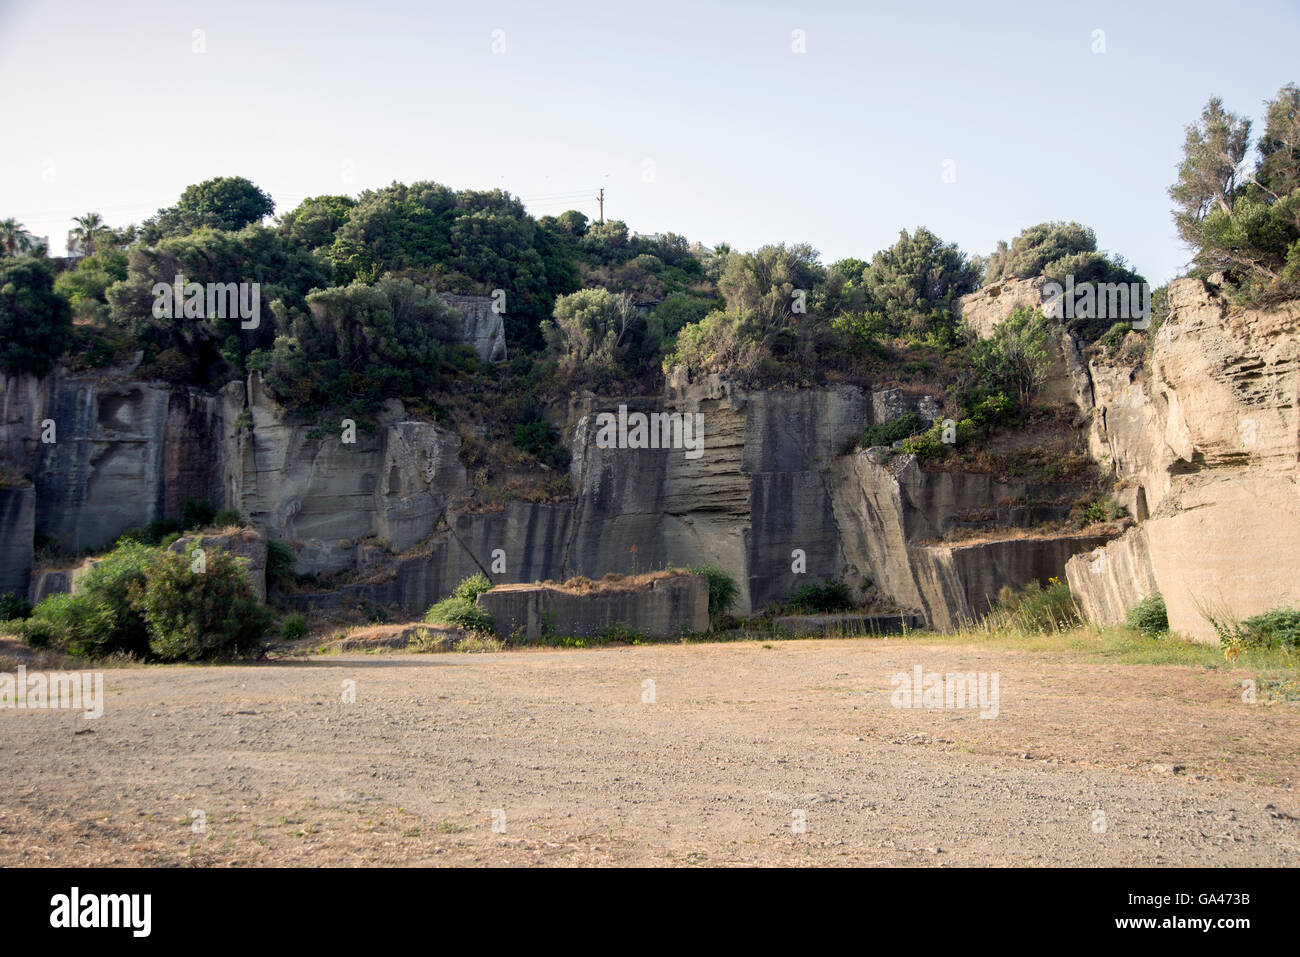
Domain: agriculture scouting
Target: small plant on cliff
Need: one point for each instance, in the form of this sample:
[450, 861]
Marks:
[1149, 616]
[829, 596]
[279, 562]
[887, 433]
[722, 589]
[460, 609]
[193, 615]
[1102, 510]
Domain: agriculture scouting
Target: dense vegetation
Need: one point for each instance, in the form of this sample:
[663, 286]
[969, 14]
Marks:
[349, 315]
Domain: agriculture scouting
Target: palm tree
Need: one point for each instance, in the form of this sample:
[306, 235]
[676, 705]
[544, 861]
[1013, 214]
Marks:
[13, 237]
[87, 227]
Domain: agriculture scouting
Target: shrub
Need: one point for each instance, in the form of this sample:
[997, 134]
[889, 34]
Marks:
[196, 514]
[162, 532]
[198, 615]
[887, 433]
[459, 607]
[827, 597]
[722, 589]
[76, 624]
[1149, 616]
[279, 561]
[227, 517]
[109, 583]
[1280, 626]
[1102, 510]
[928, 445]
[14, 606]
[1038, 609]
[293, 627]
[540, 438]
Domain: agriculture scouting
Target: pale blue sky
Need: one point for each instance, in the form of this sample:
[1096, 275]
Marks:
[106, 107]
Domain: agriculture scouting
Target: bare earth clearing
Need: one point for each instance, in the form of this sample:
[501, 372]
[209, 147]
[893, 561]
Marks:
[739, 737]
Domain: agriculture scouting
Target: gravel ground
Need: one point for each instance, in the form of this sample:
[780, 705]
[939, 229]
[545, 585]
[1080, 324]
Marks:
[1086, 763]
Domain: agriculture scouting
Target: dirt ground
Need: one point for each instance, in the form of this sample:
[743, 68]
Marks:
[1086, 763]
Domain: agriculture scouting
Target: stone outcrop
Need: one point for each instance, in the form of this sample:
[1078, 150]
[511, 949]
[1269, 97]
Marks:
[325, 496]
[123, 453]
[1206, 439]
[661, 607]
[18, 522]
[481, 327]
[247, 545]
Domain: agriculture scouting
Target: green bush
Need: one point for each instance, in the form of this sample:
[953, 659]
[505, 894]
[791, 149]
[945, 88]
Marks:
[1279, 627]
[540, 438]
[887, 433]
[227, 517]
[1038, 609]
[928, 445]
[14, 606]
[829, 596]
[459, 607]
[279, 562]
[1102, 510]
[162, 532]
[75, 624]
[722, 589]
[109, 583]
[1149, 616]
[293, 627]
[198, 615]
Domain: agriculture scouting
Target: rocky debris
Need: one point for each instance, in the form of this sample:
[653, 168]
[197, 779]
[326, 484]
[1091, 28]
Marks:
[416, 636]
[658, 605]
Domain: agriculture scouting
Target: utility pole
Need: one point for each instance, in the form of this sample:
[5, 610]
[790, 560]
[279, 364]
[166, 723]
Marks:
[601, 200]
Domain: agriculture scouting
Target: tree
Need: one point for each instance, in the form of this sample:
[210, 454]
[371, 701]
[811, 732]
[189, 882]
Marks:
[1015, 357]
[89, 227]
[1039, 250]
[316, 220]
[766, 286]
[1245, 223]
[916, 282]
[35, 322]
[14, 238]
[193, 614]
[600, 338]
[356, 345]
[227, 203]
[1209, 175]
[214, 346]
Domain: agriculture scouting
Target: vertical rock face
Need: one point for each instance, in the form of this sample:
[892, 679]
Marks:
[125, 453]
[481, 327]
[660, 608]
[17, 525]
[890, 512]
[324, 494]
[1208, 441]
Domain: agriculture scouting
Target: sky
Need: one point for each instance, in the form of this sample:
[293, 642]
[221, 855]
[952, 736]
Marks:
[973, 120]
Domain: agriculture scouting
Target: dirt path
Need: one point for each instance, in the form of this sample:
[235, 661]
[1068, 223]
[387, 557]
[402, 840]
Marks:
[739, 738]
